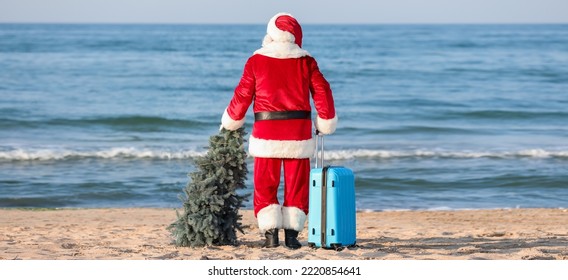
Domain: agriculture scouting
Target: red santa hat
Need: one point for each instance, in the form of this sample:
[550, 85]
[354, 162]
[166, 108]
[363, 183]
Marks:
[283, 27]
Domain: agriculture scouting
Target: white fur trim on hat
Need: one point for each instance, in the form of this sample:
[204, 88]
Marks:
[281, 148]
[229, 123]
[293, 218]
[275, 33]
[269, 217]
[326, 126]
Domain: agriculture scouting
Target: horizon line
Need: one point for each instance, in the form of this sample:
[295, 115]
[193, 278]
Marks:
[306, 23]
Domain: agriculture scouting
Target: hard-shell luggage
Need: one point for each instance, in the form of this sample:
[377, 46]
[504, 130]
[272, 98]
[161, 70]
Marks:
[331, 217]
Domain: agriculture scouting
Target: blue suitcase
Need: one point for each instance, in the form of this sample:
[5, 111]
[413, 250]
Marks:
[331, 216]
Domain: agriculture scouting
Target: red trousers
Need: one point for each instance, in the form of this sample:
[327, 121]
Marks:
[267, 179]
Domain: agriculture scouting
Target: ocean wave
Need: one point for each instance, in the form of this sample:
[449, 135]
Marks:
[135, 123]
[45, 154]
[109, 153]
[387, 154]
[512, 114]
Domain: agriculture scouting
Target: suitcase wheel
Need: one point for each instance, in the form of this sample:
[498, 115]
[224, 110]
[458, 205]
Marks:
[337, 247]
[354, 245]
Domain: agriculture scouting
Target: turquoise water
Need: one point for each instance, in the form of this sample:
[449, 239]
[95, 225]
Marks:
[431, 116]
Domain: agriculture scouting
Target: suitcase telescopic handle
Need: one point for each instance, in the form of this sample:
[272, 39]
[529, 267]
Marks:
[319, 138]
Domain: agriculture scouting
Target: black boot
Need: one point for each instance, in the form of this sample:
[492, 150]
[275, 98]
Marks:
[291, 239]
[271, 238]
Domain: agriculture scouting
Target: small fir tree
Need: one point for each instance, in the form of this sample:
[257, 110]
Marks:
[211, 203]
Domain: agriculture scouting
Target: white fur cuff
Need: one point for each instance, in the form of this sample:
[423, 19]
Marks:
[293, 218]
[326, 126]
[269, 217]
[228, 123]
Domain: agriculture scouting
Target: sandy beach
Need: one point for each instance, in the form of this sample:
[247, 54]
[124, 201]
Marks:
[141, 234]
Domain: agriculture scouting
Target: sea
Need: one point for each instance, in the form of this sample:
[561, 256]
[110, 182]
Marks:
[431, 117]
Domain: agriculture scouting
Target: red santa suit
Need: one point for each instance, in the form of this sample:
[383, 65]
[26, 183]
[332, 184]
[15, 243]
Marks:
[280, 78]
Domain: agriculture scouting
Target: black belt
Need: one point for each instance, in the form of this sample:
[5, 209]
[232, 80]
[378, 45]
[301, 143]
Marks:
[284, 115]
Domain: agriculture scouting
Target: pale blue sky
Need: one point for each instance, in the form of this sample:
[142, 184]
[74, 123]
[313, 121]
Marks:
[307, 11]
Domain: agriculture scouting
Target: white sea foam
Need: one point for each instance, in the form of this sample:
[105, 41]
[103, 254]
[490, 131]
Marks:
[386, 154]
[43, 154]
[110, 153]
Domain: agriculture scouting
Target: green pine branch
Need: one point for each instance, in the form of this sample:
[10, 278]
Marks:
[210, 206]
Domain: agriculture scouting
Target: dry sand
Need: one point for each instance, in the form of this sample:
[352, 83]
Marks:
[117, 234]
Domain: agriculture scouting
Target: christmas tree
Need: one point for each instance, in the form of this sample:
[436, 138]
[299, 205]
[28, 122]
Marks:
[211, 203]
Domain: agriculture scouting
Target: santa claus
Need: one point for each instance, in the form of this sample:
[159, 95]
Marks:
[279, 78]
